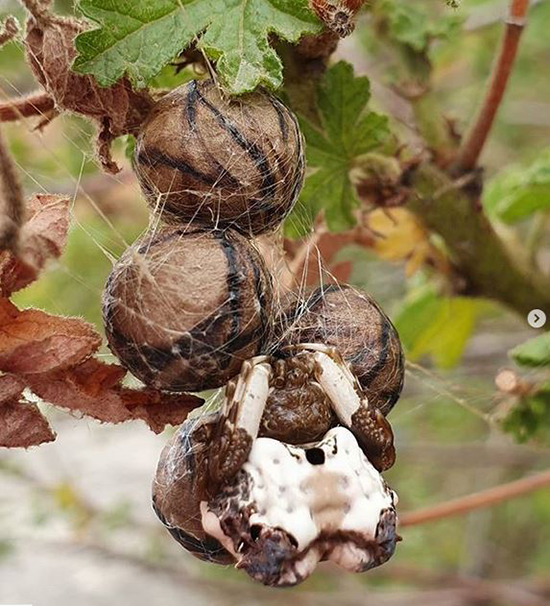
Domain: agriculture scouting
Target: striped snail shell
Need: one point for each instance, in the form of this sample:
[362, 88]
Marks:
[183, 309]
[220, 161]
[179, 488]
[353, 322]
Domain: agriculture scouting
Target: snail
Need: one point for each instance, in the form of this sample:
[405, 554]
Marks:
[220, 162]
[183, 309]
[351, 321]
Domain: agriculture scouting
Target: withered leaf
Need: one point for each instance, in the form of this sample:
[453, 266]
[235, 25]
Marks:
[117, 109]
[23, 425]
[42, 239]
[94, 388]
[32, 341]
[10, 388]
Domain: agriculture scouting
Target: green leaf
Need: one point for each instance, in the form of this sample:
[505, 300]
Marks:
[411, 26]
[170, 77]
[346, 130]
[520, 191]
[530, 416]
[437, 327]
[138, 37]
[533, 353]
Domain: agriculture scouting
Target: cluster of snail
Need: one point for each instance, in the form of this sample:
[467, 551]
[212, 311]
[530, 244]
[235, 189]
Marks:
[187, 303]
[192, 299]
[275, 480]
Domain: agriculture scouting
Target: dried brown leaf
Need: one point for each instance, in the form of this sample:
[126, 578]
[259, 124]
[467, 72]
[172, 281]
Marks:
[10, 388]
[32, 341]
[23, 425]
[117, 109]
[42, 239]
[94, 389]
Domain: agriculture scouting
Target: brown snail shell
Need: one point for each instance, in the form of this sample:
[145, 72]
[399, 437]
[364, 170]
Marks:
[219, 161]
[178, 489]
[342, 317]
[183, 309]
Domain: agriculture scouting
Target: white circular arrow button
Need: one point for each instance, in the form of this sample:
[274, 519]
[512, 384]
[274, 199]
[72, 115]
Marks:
[536, 318]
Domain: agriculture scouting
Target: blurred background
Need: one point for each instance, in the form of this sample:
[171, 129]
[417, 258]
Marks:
[76, 524]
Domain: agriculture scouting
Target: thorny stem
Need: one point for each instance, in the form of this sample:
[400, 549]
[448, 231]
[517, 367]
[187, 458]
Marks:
[37, 104]
[485, 498]
[474, 141]
[12, 205]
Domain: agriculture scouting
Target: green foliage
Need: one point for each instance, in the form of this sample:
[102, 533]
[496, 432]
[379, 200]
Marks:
[437, 327]
[520, 191]
[533, 353]
[129, 142]
[347, 130]
[139, 37]
[530, 416]
[409, 25]
[169, 77]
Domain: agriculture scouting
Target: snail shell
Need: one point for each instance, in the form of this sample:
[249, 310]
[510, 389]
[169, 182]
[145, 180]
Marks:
[178, 489]
[183, 309]
[342, 317]
[220, 161]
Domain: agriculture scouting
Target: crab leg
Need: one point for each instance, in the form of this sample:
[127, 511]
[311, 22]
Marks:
[239, 421]
[352, 407]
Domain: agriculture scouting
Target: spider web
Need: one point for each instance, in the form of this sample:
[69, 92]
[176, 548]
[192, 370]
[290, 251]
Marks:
[425, 388]
[285, 283]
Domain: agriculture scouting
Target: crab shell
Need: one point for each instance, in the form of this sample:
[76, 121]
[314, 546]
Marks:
[287, 509]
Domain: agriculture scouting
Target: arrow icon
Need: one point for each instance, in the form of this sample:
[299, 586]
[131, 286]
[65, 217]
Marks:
[536, 318]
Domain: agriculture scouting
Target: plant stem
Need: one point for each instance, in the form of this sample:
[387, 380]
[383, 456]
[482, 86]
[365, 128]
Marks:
[12, 203]
[490, 269]
[37, 104]
[477, 500]
[476, 137]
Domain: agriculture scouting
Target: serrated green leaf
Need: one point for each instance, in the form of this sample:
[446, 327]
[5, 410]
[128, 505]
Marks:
[520, 191]
[341, 98]
[138, 37]
[347, 130]
[370, 133]
[533, 353]
[437, 327]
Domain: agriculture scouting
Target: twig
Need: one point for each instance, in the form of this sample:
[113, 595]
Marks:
[474, 141]
[490, 267]
[36, 104]
[477, 500]
[12, 204]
